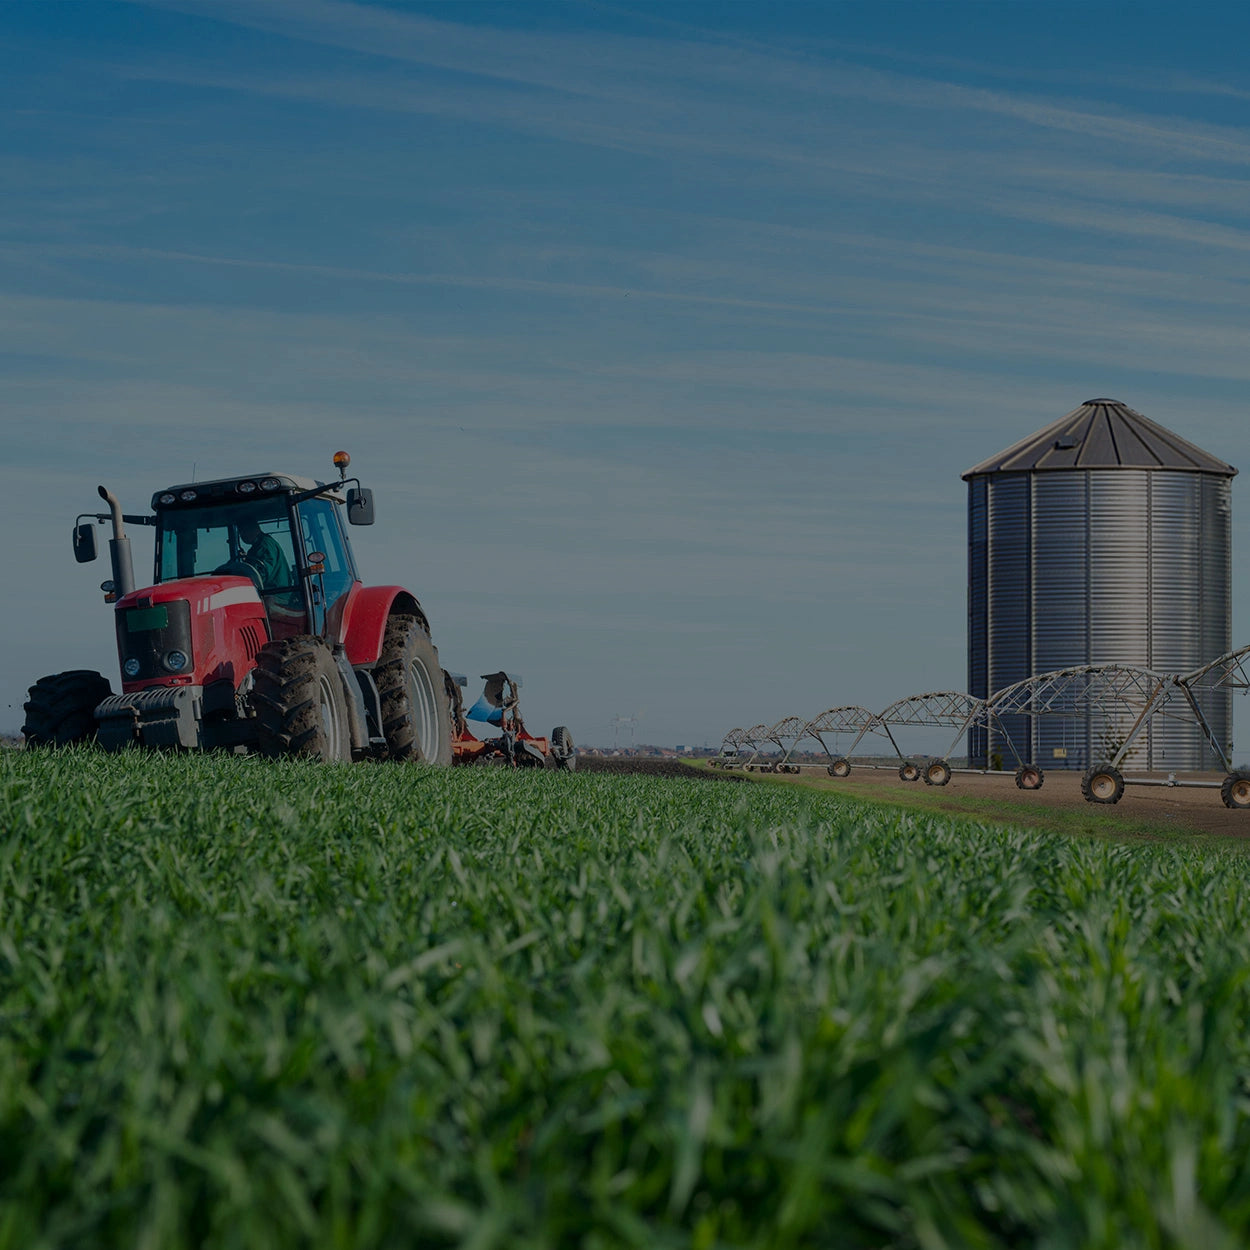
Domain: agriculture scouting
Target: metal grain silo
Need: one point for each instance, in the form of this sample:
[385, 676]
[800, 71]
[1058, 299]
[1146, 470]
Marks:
[1101, 539]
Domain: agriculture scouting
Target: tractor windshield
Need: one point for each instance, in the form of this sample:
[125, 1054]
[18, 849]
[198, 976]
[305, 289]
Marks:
[250, 539]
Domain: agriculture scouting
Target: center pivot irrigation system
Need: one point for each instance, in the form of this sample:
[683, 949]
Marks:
[1125, 707]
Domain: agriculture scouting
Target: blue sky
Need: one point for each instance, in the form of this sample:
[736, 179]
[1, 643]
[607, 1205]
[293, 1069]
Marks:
[662, 331]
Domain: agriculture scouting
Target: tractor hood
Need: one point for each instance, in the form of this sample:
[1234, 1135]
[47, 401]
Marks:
[190, 632]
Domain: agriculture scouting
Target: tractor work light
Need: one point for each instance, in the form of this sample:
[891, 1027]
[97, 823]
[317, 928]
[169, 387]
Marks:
[175, 661]
[246, 488]
[270, 483]
[132, 667]
[167, 498]
[188, 496]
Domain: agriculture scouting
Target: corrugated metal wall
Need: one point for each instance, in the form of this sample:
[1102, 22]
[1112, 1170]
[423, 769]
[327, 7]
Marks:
[1098, 566]
[978, 609]
[1059, 600]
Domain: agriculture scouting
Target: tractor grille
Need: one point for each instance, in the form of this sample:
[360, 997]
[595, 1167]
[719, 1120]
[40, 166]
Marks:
[251, 641]
[149, 634]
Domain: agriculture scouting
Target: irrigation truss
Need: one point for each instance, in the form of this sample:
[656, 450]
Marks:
[1120, 701]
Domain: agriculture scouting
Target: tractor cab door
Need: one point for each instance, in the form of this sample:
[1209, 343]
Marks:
[322, 532]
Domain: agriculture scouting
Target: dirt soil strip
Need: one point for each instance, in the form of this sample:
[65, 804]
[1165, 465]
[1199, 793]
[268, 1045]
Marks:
[650, 767]
[1144, 811]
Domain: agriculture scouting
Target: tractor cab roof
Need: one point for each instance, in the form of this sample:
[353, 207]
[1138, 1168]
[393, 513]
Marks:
[233, 489]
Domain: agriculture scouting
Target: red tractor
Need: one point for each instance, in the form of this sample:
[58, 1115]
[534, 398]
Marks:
[256, 634]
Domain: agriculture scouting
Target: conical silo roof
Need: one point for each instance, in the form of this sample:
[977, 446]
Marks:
[1102, 434]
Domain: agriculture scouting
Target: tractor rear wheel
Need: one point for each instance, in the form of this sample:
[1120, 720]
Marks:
[416, 718]
[301, 707]
[563, 752]
[61, 709]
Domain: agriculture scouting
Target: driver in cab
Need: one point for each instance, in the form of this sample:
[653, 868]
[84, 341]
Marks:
[264, 560]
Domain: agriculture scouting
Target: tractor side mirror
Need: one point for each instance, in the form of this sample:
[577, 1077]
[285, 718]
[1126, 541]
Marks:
[360, 506]
[85, 549]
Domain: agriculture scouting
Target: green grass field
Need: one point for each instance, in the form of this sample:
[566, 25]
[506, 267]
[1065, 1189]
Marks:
[252, 1005]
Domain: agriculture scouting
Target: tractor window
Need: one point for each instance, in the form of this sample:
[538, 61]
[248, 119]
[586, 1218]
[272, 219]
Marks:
[252, 539]
[322, 533]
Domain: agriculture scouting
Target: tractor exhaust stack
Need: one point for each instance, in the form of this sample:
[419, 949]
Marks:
[119, 547]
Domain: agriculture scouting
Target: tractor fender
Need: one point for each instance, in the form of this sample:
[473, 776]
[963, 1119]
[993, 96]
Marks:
[365, 616]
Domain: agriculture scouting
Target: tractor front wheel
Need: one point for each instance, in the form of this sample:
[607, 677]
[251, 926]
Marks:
[301, 707]
[416, 718]
[60, 709]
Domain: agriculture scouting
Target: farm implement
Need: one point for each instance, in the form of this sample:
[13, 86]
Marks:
[499, 705]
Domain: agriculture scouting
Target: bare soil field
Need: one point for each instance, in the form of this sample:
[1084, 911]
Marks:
[652, 767]
[1152, 811]
[1155, 812]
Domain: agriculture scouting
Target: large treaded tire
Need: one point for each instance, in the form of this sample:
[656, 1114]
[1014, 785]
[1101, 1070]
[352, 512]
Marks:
[1102, 784]
[936, 773]
[301, 707]
[1029, 777]
[563, 751]
[455, 704]
[1235, 789]
[60, 709]
[416, 715]
[841, 767]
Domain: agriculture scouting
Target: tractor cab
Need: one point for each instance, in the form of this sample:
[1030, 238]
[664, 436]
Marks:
[282, 533]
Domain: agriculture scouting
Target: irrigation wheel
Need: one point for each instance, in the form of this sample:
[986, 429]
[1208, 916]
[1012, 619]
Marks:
[937, 773]
[909, 770]
[1029, 777]
[1236, 788]
[1104, 783]
[840, 768]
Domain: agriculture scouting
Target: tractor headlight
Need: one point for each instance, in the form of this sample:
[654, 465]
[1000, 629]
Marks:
[132, 666]
[187, 496]
[175, 661]
[246, 488]
[167, 498]
[270, 483]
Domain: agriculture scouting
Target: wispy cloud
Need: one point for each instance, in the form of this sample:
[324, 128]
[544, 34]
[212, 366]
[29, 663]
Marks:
[638, 72]
[704, 312]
